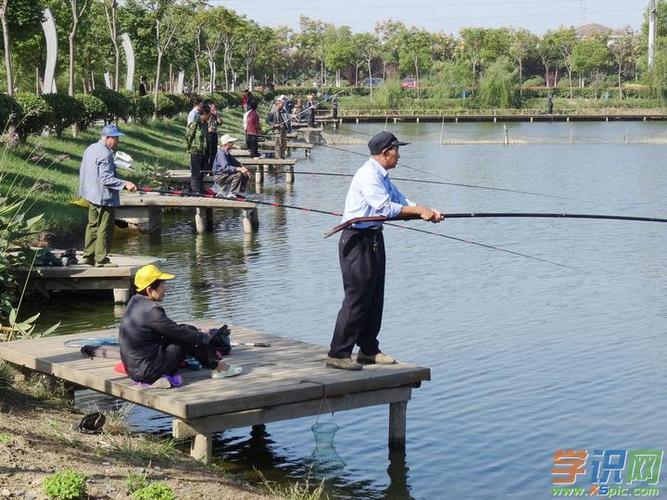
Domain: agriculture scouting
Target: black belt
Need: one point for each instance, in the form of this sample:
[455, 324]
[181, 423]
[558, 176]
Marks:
[364, 229]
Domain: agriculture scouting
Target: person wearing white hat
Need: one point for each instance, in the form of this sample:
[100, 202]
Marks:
[231, 178]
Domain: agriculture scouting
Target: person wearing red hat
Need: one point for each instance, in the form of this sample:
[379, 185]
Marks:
[362, 255]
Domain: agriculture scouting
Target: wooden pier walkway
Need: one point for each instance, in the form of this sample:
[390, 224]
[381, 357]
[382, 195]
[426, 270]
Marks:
[286, 381]
[143, 210]
[494, 118]
[80, 277]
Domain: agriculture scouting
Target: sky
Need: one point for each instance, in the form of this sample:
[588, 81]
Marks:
[448, 16]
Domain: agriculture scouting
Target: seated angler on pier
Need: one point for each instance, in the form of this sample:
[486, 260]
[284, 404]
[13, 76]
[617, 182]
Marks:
[231, 178]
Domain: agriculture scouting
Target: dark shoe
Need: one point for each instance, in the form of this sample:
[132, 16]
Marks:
[375, 359]
[105, 263]
[343, 363]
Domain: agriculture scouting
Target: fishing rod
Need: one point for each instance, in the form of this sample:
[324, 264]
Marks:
[533, 215]
[289, 118]
[145, 189]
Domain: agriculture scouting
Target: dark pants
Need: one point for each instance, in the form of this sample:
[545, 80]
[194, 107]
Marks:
[281, 143]
[172, 357]
[232, 182]
[334, 113]
[252, 143]
[213, 149]
[197, 164]
[99, 233]
[362, 262]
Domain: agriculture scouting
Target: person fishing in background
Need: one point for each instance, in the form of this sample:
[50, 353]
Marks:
[198, 146]
[213, 122]
[362, 255]
[279, 122]
[252, 128]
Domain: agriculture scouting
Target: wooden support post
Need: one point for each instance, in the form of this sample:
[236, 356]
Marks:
[397, 421]
[250, 220]
[259, 175]
[289, 174]
[266, 168]
[121, 295]
[201, 448]
[308, 153]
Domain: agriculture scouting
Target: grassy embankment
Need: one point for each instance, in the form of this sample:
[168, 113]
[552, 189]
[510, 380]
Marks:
[45, 170]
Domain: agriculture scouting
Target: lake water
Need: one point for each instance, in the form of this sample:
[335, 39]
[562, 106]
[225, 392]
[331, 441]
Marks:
[526, 357]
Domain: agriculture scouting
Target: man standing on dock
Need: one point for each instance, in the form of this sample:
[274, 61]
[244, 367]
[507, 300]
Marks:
[198, 147]
[279, 122]
[362, 256]
[100, 186]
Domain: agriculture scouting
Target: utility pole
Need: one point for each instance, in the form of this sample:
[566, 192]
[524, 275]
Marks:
[652, 21]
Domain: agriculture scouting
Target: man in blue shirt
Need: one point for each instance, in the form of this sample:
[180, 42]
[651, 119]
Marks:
[100, 186]
[228, 173]
[362, 256]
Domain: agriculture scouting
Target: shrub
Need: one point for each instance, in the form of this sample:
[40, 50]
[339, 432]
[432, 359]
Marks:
[165, 107]
[94, 109]
[6, 375]
[219, 100]
[181, 101]
[66, 111]
[143, 108]
[65, 485]
[154, 491]
[9, 110]
[499, 85]
[533, 81]
[35, 114]
[389, 94]
[119, 105]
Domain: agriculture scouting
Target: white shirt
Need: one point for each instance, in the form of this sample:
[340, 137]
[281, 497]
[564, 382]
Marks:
[372, 193]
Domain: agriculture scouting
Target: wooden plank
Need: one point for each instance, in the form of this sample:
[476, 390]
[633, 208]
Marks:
[290, 144]
[217, 423]
[127, 267]
[162, 200]
[289, 372]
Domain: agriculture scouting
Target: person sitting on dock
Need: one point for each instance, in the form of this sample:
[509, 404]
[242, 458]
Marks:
[100, 186]
[198, 146]
[362, 255]
[153, 347]
[230, 177]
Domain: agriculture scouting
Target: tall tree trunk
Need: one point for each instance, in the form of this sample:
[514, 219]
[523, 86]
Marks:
[569, 76]
[197, 51]
[8, 54]
[111, 23]
[370, 77]
[71, 37]
[620, 88]
[156, 90]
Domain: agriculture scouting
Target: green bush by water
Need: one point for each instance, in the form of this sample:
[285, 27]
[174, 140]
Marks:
[154, 491]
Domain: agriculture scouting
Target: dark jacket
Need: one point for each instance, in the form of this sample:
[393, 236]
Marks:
[145, 332]
[225, 163]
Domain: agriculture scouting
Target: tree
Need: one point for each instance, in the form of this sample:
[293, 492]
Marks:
[21, 17]
[625, 52]
[523, 44]
[78, 9]
[339, 51]
[416, 53]
[495, 43]
[110, 8]
[547, 49]
[470, 48]
[390, 35]
[591, 56]
[566, 41]
[498, 87]
[312, 42]
[368, 47]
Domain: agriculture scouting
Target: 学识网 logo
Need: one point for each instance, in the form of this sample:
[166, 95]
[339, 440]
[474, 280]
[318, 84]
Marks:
[609, 471]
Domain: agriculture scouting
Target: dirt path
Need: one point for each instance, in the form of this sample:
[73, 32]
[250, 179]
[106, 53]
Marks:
[37, 439]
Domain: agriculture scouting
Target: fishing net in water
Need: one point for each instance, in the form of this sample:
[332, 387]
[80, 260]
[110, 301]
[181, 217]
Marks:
[341, 139]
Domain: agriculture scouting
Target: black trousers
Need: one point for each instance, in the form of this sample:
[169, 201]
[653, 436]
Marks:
[197, 164]
[252, 143]
[362, 262]
[213, 149]
[172, 356]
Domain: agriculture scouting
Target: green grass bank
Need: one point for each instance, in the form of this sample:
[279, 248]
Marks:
[45, 170]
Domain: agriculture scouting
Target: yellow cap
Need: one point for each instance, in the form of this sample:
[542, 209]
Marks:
[148, 274]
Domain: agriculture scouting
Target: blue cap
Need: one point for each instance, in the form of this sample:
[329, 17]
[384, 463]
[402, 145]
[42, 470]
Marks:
[111, 131]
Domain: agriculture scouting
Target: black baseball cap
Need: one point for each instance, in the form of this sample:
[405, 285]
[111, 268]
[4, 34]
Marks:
[383, 140]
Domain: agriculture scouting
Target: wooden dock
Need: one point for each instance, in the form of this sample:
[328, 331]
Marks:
[260, 166]
[291, 145]
[144, 210]
[286, 381]
[80, 277]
